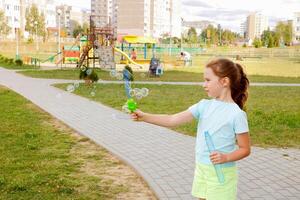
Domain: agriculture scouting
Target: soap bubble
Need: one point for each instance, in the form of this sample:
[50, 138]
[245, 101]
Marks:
[83, 68]
[89, 72]
[76, 84]
[144, 92]
[132, 92]
[136, 90]
[113, 73]
[139, 95]
[143, 75]
[125, 109]
[119, 76]
[70, 88]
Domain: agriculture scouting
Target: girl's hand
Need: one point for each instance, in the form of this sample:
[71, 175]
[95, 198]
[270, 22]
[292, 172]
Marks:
[138, 115]
[218, 158]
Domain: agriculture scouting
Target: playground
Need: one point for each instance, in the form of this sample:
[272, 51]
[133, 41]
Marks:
[75, 113]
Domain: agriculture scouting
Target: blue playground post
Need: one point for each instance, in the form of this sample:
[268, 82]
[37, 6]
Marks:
[211, 148]
[153, 50]
[145, 51]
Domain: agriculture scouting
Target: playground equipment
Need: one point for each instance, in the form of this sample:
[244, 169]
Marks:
[71, 54]
[137, 40]
[129, 60]
[100, 44]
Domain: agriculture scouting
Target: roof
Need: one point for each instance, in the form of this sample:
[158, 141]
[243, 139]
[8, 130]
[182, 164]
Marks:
[133, 39]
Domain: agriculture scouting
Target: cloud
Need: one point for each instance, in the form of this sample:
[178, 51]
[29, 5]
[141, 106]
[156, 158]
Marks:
[222, 14]
[196, 3]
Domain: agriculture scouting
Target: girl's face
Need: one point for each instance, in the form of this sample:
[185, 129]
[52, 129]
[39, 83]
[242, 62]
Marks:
[212, 83]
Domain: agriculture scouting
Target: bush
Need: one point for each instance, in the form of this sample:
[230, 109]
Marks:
[19, 62]
[10, 61]
[87, 73]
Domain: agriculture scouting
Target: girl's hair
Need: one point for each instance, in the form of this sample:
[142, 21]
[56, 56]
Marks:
[239, 82]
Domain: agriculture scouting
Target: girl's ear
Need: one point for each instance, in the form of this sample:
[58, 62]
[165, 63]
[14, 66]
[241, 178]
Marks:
[225, 82]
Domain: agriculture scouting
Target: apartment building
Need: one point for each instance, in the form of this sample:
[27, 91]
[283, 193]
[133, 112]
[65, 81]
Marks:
[255, 25]
[296, 28]
[63, 18]
[140, 17]
[11, 10]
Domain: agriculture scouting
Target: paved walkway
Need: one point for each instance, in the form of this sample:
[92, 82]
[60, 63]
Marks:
[200, 83]
[164, 158]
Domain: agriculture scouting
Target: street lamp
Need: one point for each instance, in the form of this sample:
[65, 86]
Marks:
[181, 35]
[170, 51]
[58, 48]
[17, 39]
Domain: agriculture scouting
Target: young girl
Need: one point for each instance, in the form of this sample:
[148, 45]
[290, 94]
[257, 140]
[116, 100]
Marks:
[223, 118]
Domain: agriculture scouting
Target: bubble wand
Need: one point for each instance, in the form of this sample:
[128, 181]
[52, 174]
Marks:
[211, 148]
[131, 104]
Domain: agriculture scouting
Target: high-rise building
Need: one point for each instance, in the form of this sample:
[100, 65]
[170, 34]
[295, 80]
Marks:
[64, 17]
[296, 27]
[11, 10]
[256, 24]
[47, 7]
[140, 17]
[243, 29]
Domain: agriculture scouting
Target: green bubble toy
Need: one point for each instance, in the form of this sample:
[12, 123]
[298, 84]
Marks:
[131, 104]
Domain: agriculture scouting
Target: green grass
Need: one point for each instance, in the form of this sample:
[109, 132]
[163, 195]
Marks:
[273, 112]
[282, 67]
[14, 66]
[42, 161]
[139, 76]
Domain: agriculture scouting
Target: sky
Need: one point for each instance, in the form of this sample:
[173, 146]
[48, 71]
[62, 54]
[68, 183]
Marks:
[229, 13]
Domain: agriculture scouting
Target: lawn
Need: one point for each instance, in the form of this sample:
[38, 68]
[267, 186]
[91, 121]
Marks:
[14, 66]
[173, 75]
[273, 112]
[274, 66]
[43, 159]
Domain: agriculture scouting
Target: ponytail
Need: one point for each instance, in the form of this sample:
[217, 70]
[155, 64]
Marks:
[239, 93]
[239, 82]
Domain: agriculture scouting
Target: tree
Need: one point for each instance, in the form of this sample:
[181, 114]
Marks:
[4, 28]
[257, 43]
[283, 31]
[34, 21]
[41, 26]
[270, 39]
[76, 28]
[85, 28]
[192, 35]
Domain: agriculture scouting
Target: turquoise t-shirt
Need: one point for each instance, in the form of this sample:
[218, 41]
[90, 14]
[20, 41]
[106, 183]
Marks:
[223, 121]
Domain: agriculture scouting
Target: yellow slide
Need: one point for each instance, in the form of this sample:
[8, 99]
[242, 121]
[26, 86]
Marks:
[127, 57]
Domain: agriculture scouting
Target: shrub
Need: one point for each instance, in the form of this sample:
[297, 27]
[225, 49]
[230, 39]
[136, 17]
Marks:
[10, 61]
[19, 62]
[87, 73]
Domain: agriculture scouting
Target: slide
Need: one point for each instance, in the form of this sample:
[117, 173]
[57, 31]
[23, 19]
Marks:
[127, 57]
